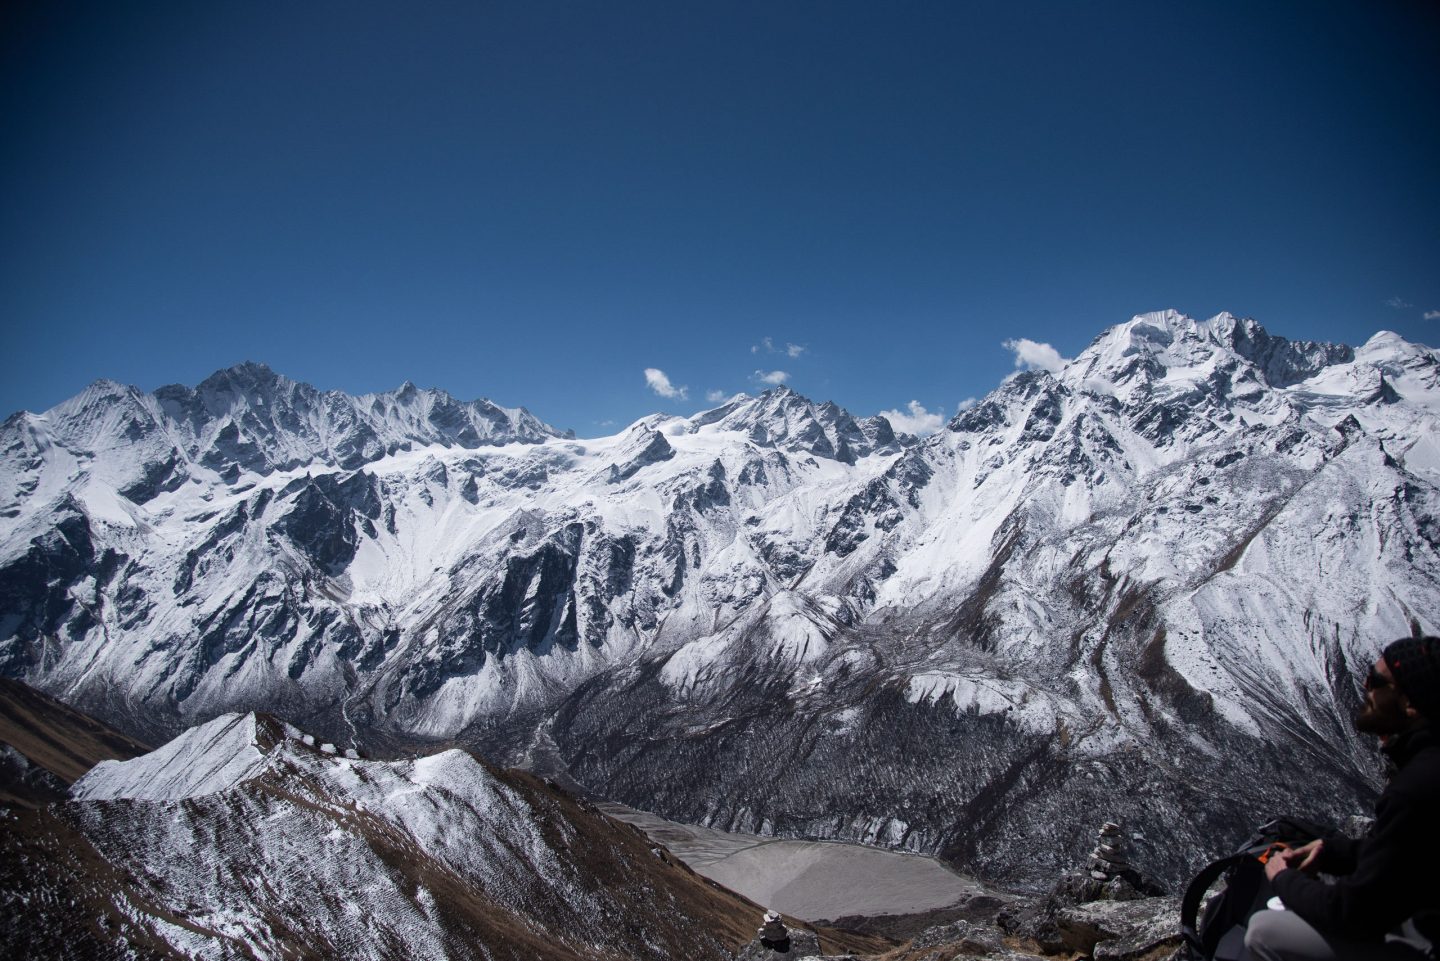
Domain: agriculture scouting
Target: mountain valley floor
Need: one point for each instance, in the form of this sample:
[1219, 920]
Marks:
[813, 880]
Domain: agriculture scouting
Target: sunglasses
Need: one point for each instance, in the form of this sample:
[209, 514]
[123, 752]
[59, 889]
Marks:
[1374, 681]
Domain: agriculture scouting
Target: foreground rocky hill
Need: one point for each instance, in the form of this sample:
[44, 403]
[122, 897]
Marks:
[246, 838]
[1099, 593]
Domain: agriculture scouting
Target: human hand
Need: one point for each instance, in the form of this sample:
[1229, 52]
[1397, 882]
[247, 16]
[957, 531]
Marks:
[1275, 864]
[1304, 857]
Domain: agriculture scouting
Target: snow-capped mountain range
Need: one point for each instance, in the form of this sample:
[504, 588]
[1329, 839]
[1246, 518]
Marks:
[1100, 593]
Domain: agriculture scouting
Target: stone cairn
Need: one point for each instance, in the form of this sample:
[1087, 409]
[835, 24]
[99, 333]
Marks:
[1107, 861]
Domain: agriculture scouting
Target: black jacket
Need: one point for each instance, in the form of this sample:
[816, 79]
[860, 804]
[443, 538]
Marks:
[1394, 872]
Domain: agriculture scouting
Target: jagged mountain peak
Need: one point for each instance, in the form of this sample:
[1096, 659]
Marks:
[98, 394]
[250, 419]
[1157, 340]
[248, 375]
[1170, 349]
[782, 417]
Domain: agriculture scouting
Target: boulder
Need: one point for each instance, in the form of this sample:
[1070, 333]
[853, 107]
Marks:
[803, 944]
[1119, 930]
[967, 937]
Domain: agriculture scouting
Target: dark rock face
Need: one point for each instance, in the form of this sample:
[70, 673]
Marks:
[155, 478]
[882, 502]
[34, 602]
[1285, 362]
[973, 789]
[322, 522]
[653, 449]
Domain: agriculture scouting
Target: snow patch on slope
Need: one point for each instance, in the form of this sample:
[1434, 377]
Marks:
[206, 759]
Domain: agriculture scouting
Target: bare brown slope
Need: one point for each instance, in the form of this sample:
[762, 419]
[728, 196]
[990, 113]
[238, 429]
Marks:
[54, 739]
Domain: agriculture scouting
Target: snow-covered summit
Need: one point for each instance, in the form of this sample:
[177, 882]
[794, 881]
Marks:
[1168, 350]
[782, 418]
[250, 420]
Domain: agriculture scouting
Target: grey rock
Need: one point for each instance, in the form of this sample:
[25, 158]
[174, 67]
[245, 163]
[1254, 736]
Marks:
[1120, 889]
[970, 937]
[1128, 928]
[803, 944]
[1032, 921]
[984, 908]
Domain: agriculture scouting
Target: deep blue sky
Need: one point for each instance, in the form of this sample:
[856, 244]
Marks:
[536, 201]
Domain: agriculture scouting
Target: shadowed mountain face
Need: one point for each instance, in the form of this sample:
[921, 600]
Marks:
[1100, 593]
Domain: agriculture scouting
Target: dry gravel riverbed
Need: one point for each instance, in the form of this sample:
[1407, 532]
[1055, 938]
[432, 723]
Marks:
[808, 879]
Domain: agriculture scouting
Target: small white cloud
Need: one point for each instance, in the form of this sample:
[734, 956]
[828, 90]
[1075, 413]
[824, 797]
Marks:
[773, 377]
[1432, 315]
[605, 423]
[1033, 356]
[767, 346]
[965, 405]
[1398, 303]
[915, 419]
[715, 396]
[660, 384]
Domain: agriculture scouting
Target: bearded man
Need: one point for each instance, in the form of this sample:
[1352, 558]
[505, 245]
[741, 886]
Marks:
[1384, 901]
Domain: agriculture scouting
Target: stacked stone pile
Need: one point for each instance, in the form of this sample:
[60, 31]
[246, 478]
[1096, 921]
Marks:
[1108, 861]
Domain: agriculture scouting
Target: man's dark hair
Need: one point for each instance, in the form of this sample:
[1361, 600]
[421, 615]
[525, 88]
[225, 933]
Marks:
[1415, 662]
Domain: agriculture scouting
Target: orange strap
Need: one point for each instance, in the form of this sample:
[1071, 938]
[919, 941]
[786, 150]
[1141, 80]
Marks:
[1273, 849]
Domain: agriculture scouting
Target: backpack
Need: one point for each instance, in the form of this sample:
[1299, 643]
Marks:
[1220, 934]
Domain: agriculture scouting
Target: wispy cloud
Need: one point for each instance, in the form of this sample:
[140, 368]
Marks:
[1398, 303]
[767, 346]
[966, 404]
[1033, 356]
[772, 377]
[1432, 315]
[657, 381]
[915, 419]
[715, 396]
